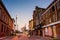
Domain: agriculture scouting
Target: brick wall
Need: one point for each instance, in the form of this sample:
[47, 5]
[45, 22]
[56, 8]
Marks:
[6, 22]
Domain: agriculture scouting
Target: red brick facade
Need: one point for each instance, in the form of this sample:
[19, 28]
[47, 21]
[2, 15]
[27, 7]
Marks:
[6, 22]
[50, 20]
[36, 19]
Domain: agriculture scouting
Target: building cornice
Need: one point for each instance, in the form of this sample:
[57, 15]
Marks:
[49, 7]
[51, 24]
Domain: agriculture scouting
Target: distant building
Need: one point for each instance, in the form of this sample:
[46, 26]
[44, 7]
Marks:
[49, 20]
[24, 30]
[31, 27]
[6, 22]
[31, 24]
[36, 20]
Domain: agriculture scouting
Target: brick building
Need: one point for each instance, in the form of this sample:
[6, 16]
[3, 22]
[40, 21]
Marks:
[36, 20]
[6, 22]
[51, 20]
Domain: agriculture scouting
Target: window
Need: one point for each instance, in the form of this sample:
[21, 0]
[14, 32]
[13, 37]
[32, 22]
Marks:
[46, 31]
[6, 29]
[59, 15]
[53, 9]
[2, 28]
[46, 15]
[49, 20]
[37, 21]
[49, 12]
[54, 18]
[49, 31]
[5, 17]
[0, 11]
[2, 15]
[46, 21]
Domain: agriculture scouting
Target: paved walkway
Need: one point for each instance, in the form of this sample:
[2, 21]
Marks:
[24, 37]
[41, 38]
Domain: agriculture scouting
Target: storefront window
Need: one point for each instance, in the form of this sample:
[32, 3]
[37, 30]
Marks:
[50, 31]
[46, 31]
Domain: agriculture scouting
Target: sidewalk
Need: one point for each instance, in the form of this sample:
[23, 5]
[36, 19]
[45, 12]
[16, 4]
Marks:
[6, 37]
[3, 37]
[41, 38]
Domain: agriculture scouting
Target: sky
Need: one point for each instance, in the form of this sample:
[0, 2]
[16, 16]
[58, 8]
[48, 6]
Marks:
[24, 9]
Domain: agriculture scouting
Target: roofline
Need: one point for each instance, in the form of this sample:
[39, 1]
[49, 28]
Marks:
[39, 7]
[49, 7]
[5, 8]
[51, 4]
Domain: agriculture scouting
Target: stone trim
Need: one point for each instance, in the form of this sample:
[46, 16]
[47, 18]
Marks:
[51, 24]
